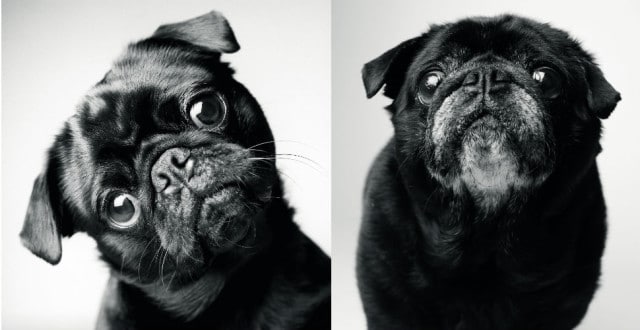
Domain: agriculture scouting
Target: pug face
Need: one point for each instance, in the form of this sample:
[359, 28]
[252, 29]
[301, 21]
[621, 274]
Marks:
[168, 163]
[489, 106]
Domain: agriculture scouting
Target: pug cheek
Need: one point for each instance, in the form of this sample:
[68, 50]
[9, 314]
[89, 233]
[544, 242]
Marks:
[225, 219]
[442, 119]
[523, 114]
[533, 141]
[129, 249]
[444, 131]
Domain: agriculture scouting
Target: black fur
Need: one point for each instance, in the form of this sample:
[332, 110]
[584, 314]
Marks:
[219, 252]
[429, 256]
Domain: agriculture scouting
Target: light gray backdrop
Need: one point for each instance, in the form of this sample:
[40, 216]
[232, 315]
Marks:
[53, 51]
[362, 30]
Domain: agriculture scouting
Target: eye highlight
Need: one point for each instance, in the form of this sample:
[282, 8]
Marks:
[209, 112]
[549, 82]
[123, 210]
[428, 85]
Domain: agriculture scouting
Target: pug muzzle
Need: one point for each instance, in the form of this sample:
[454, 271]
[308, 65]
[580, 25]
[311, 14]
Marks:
[489, 133]
[169, 164]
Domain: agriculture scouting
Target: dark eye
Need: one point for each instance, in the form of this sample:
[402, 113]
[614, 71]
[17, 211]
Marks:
[428, 85]
[209, 112]
[549, 82]
[123, 210]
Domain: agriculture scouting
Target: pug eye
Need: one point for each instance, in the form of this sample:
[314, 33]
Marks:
[209, 112]
[549, 82]
[123, 210]
[428, 85]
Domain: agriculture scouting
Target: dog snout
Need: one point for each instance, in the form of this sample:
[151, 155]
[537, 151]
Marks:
[171, 170]
[486, 80]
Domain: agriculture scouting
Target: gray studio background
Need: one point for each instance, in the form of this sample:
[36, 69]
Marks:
[53, 51]
[362, 30]
[300, 59]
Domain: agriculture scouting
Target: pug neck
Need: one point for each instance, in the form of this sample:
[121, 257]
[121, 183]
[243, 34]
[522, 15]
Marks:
[451, 222]
[190, 300]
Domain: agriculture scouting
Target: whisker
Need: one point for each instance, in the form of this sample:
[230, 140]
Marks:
[290, 178]
[183, 240]
[301, 157]
[281, 172]
[142, 255]
[171, 280]
[252, 148]
[280, 141]
[162, 266]
[300, 161]
[238, 244]
[155, 255]
[121, 262]
[241, 182]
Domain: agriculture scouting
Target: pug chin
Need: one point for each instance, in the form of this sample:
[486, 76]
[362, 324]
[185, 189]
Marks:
[489, 167]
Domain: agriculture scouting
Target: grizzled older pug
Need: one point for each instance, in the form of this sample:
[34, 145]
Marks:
[485, 209]
[169, 165]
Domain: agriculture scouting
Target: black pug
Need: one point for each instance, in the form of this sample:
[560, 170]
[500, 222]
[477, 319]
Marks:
[485, 209]
[169, 164]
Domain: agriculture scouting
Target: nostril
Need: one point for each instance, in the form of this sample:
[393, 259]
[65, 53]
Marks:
[471, 79]
[160, 181]
[171, 170]
[164, 179]
[179, 159]
[500, 76]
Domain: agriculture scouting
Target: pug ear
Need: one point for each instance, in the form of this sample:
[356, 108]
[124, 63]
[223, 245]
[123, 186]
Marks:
[41, 231]
[210, 30]
[601, 96]
[389, 68]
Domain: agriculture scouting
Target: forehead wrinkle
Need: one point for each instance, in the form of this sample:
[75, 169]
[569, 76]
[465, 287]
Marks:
[113, 120]
[101, 98]
[175, 80]
[161, 67]
[449, 50]
[486, 31]
[102, 106]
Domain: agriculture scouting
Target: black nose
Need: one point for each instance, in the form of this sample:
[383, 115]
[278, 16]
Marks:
[486, 80]
[171, 170]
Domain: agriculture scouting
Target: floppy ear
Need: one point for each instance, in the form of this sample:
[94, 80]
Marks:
[41, 231]
[601, 96]
[210, 30]
[389, 68]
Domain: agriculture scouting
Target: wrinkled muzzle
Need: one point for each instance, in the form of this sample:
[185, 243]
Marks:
[490, 135]
[207, 198]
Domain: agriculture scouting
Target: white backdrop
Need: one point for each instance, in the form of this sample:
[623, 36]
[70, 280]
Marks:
[53, 51]
[364, 29]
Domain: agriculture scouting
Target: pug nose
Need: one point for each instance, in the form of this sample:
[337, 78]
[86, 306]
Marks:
[172, 170]
[486, 80]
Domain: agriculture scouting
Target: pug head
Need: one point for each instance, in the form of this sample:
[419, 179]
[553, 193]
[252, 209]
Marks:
[491, 106]
[168, 162]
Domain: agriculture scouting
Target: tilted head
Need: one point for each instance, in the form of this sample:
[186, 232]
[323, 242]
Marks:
[168, 162]
[491, 106]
